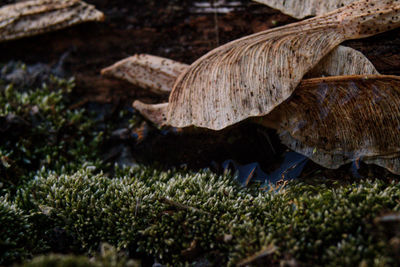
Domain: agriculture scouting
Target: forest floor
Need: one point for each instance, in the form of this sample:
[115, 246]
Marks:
[184, 31]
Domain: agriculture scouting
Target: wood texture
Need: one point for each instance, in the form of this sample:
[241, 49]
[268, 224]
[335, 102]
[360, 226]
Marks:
[147, 71]
[251, 76]
[300, 9]
[336, 120]
[39, 16]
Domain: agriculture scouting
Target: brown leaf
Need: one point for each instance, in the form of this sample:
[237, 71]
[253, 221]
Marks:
[336, 120]
[300, 9]
[341, 61]
[251, 76]
[155, 73]
[39, 16]
[156, 113]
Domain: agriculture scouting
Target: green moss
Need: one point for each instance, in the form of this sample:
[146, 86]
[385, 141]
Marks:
[39, 131]
[108, 257]
[60, 261]
[164, 213]
[15, 233]
[51, 201]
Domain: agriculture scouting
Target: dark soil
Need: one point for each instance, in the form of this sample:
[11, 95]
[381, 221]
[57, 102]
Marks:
[177, 30]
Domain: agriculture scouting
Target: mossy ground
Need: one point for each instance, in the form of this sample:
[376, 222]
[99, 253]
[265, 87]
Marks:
[58, 196]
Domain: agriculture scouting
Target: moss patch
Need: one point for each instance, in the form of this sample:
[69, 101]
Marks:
[177, 217]
[39, 131]
[54, 198]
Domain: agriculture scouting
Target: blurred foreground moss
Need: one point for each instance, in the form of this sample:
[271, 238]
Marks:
[15, 232]
[179, 218]
[107, 257]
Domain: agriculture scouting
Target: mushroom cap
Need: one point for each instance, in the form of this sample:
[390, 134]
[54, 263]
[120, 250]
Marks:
[336, 120]
[38, 16]
[300, 9]
[251, 76]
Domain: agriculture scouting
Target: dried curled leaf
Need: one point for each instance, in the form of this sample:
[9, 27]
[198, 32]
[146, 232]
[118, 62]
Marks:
[251, 76]
[300, 9]
[336, 120]
[155, 73]
[39, 16]
[155, 113]
[341, 61]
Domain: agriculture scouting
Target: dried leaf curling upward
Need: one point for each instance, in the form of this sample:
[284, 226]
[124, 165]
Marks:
[342, 61]
[158, 74]
[300, 9]
[39, 16]
[252, 75]
[336, 120]
[155, 73]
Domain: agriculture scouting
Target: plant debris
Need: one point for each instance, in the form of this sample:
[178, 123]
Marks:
[155, 72]
[250, 76]
[337, 120]
[300, 9]
[342, 61]
[34, 17]
[147, 71]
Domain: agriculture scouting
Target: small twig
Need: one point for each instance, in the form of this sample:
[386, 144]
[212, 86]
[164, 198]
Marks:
[181, 206]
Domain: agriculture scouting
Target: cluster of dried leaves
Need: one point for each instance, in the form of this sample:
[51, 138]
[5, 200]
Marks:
[348, 117]
[39, 16]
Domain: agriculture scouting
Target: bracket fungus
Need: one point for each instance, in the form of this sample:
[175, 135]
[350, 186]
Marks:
[33, 17]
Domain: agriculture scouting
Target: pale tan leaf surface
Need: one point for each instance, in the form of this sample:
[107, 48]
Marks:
[336, 120]
[159, 74]
[304, 8]
[334, 161]
[147, 71]
[155, 73]
[251, 76]
[391, 164]
[39, 16]
[155, 113]
[342, 61]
